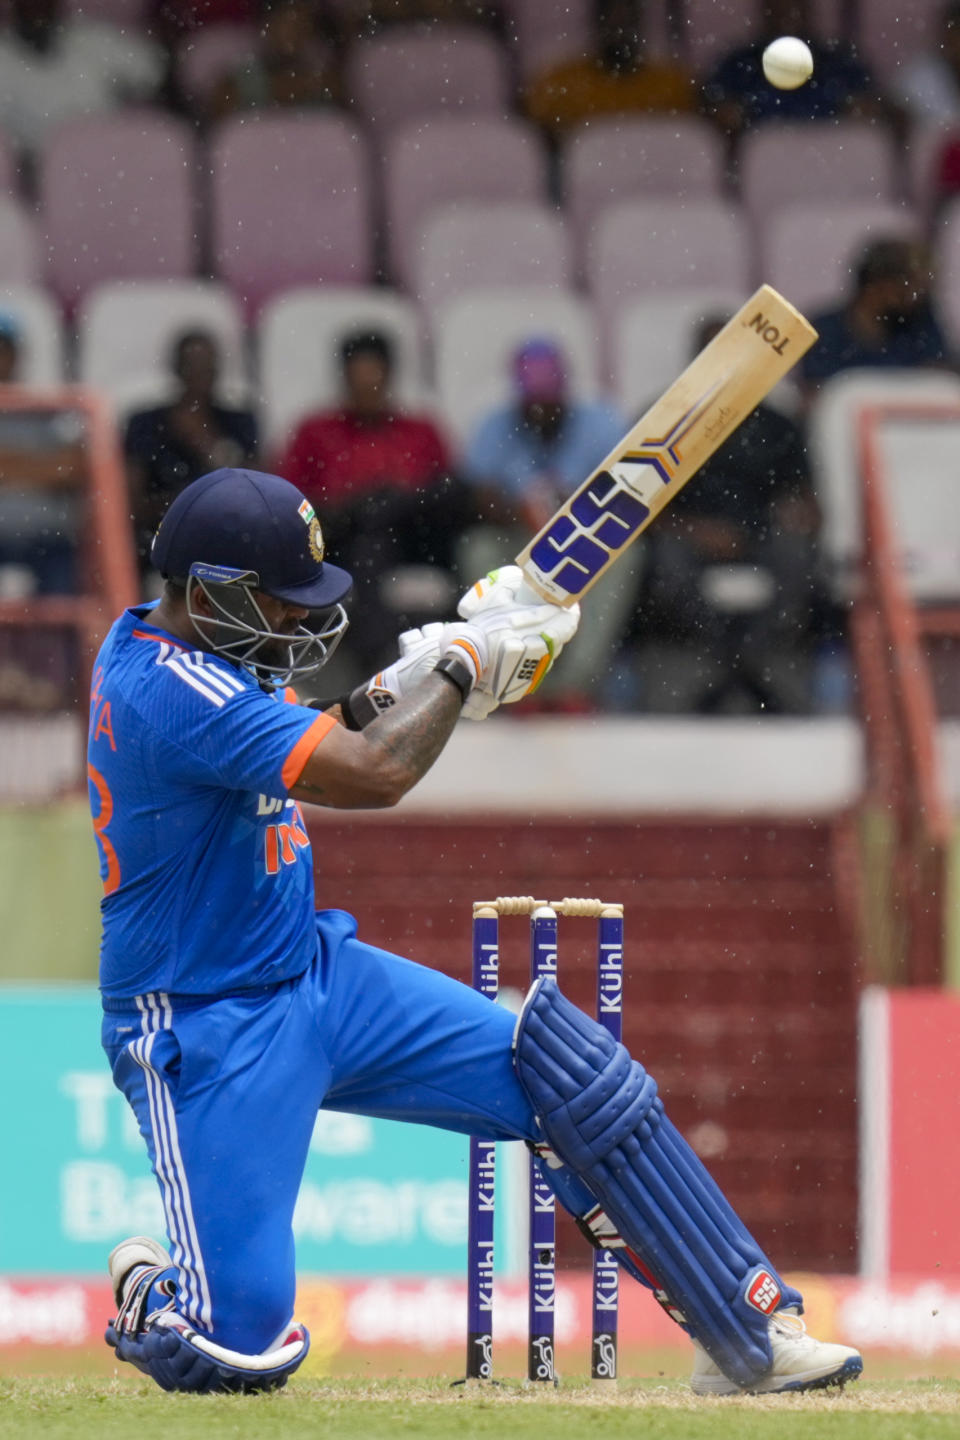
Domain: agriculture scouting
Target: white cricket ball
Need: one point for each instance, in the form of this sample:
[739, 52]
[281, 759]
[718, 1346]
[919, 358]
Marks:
[787, 62]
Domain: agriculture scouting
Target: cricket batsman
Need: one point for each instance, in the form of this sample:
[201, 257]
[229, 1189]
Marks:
[233, 1009]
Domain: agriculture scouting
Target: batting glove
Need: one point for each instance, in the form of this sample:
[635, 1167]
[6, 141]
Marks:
[525, 635]
[420, 653]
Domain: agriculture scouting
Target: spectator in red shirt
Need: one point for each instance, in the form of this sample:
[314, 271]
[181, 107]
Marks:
[391, 507]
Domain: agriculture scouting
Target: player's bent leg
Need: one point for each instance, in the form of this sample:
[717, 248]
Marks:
[658, 1208]
[149, 1333]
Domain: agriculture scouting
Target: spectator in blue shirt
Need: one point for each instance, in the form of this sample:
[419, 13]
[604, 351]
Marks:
[889, 320]
[527, 456]
[523, 460]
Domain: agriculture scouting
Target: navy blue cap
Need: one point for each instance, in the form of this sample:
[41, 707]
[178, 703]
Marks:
[247, 520]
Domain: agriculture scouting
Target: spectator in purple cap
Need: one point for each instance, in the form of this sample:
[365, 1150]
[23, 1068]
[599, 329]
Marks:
[524, 459]
[526, 456]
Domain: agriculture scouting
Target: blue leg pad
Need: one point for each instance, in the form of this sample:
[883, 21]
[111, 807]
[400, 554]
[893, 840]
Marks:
[600, 1112]
[178, 1358]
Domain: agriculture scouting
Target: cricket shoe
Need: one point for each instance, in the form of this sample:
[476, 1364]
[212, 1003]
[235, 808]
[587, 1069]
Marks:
[136, 1266]
[799, 1363]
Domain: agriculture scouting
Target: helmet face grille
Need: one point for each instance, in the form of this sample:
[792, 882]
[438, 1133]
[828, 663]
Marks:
[237, 628]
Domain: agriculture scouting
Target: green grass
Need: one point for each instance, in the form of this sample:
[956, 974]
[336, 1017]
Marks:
[88, 1409]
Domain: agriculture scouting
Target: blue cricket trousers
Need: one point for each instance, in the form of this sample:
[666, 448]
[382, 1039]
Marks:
[226, 1093]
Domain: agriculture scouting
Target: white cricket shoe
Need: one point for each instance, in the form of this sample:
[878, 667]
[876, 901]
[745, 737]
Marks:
[139, 1250]
[799, 1363]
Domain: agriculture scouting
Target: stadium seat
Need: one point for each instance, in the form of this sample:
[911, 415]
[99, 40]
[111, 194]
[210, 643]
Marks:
[290, 203]
[40, 324]
[650, 247]
[117, 201]
[833, 443]
[408, 73]
[947, 268]
[809, 251]
[634, 158]
[473, 244]
[207, 56]
[709, 31]
[476, 333]
[435, 162]
[788, 164]
[544, 33]
[891, 32]
[115, 12]
[9, 178]
[126, 331]
[653, 340]
[19, 244]
[922, 158]
[298, 341]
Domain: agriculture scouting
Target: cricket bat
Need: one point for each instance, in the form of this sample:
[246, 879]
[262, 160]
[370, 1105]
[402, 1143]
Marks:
[666, 447]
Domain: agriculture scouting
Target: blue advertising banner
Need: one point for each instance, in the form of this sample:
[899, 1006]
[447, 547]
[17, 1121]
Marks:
[378, 1197]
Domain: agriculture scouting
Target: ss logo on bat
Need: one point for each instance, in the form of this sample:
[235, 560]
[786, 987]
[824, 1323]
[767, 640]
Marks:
[602, 518]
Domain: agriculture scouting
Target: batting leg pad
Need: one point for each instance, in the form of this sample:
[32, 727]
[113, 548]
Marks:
[600, 1111]
[178, 1358]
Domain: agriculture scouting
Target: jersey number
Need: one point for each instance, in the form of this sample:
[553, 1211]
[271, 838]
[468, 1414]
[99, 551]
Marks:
[100, 823]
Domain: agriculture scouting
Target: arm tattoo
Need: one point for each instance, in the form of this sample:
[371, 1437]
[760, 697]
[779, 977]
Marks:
[408, 736]
[414, 732]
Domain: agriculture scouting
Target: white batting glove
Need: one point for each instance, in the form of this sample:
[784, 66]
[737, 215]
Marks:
[420, 651]
[504, 588]
[524, 639]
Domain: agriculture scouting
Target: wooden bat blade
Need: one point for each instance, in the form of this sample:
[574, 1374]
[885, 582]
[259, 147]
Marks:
[667, 446]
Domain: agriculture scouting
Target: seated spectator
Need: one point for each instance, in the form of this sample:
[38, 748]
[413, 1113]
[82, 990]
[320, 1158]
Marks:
[522, 461]
[382, 481]
[731, 591]
[291, 68]
[617, 79]
[928, 83]
[170, 445]
[737, 95]
[526, 457]
[56, 66]
[889, 320]
[42, 470]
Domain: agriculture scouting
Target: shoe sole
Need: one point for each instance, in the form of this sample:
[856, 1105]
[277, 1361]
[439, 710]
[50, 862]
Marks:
[851, 1369]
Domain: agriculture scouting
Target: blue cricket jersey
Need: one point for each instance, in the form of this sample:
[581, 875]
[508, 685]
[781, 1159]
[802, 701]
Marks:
[206, 866]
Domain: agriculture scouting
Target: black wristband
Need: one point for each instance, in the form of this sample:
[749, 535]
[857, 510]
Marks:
[457, 671]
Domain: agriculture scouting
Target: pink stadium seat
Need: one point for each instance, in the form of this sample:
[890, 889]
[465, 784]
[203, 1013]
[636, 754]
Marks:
[483, 244]
[655, 246]
[809, 251]
[19, 244]
[290, 203]
[637, 157]
[545, 33]
[208, 56]
[116, 12]
[891, 32]
[923, 154]
[436, 162]
[710, 30]
[947, 254]
[9, 180]
[844, 160]
[408, 73]
[117, 201]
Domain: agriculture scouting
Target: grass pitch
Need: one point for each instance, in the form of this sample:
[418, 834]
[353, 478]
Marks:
[91, 1409]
